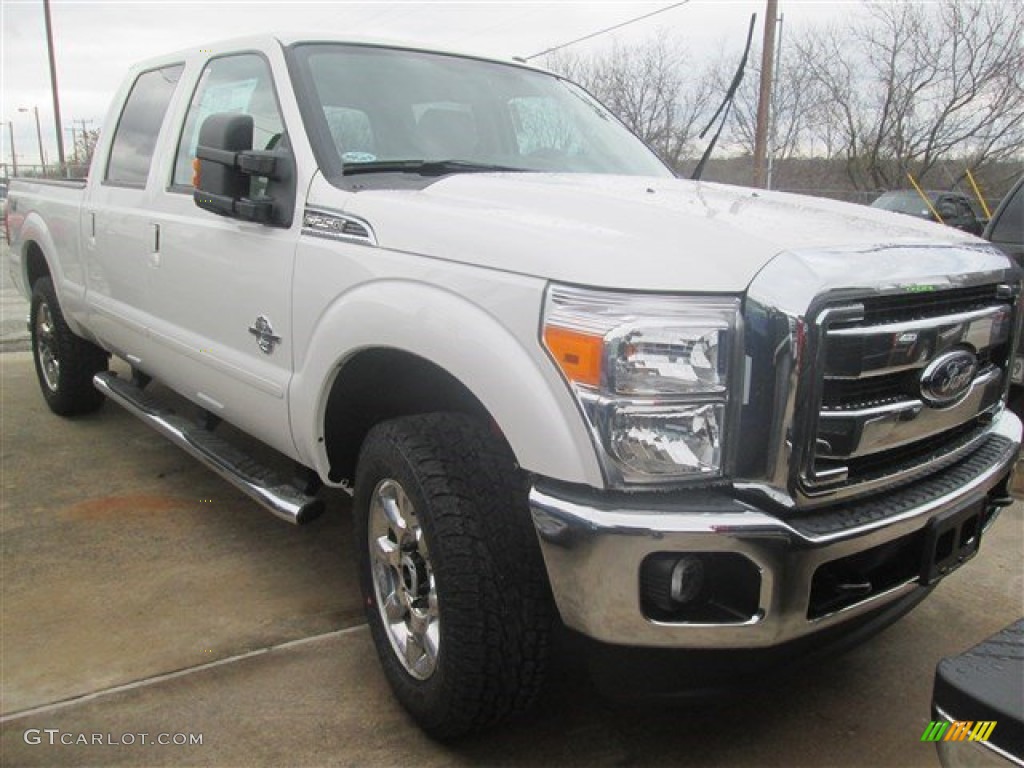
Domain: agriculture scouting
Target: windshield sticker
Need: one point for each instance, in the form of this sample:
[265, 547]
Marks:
[358, 157]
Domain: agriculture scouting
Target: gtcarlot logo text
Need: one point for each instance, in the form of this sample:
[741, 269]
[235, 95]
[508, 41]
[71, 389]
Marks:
[56, 737]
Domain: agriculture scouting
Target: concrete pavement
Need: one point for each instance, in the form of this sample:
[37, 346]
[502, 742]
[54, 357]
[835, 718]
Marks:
[142, 594]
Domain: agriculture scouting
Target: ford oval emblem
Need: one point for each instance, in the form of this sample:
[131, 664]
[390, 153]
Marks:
[948, 378]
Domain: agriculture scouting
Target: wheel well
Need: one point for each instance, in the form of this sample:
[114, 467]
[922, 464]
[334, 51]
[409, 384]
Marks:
[35, 264]
[381, 384]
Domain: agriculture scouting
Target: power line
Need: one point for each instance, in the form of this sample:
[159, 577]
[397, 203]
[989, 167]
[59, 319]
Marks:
[607, 29]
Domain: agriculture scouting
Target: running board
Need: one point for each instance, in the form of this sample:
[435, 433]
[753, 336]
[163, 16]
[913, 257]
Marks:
[242, 471]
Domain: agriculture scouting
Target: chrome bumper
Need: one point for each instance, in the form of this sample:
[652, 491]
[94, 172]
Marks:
[594, 546]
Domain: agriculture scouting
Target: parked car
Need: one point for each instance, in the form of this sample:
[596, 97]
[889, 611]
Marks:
[978, 703]
[955, 209]
[689, 420]
[1006, 231]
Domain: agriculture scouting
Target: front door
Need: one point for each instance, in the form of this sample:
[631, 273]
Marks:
[222, 287]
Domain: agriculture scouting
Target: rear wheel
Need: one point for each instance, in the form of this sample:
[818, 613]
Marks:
[65, 363]
[456, 594]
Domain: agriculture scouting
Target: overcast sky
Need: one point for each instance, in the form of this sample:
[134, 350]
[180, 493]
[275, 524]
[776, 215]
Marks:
[96, 42]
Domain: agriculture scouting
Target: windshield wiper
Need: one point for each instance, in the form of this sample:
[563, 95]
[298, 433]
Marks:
[726, 104]
[424, 167]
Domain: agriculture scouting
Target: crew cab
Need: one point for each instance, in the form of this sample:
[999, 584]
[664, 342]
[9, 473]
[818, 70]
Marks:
[563, 385]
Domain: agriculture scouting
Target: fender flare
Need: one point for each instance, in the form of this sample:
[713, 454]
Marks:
[523, 394]
[35, 231]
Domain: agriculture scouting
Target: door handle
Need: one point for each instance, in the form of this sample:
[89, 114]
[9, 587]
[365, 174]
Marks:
[154, 256]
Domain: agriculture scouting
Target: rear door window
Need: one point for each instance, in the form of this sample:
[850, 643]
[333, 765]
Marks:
[965, 211]
[947, 208]
[131, 151]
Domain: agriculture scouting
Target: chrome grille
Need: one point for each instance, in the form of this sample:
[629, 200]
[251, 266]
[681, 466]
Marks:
[887, 309]
[868, 423]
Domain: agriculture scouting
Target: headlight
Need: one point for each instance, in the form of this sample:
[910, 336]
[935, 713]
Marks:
[651, 374]
[650, 359]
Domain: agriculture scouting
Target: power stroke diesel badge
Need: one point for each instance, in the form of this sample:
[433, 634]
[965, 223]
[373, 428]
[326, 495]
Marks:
[947, 379]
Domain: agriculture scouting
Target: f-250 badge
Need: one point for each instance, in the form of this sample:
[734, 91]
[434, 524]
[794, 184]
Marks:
[264, 332]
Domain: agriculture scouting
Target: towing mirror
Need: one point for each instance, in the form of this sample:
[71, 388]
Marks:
[227, 172]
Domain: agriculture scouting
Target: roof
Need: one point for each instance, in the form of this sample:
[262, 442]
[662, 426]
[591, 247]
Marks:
[268, 40]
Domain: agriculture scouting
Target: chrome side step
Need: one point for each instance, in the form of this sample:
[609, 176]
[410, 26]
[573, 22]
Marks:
[249, 476]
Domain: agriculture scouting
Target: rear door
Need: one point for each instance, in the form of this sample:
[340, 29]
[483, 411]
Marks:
[119, 238]
[221, 294]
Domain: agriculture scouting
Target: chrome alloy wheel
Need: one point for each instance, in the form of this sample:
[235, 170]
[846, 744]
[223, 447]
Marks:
[46, 347]
[403, 580]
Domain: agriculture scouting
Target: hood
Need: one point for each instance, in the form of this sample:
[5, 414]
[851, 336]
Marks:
[620, 231]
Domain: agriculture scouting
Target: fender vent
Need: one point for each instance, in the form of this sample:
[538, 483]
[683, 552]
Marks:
[336, 226]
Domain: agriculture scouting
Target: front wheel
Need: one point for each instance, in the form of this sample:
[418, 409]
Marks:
[456, 594]
[65, 363]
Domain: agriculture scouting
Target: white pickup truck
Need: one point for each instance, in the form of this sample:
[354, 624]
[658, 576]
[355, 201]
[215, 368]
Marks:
[694, 422]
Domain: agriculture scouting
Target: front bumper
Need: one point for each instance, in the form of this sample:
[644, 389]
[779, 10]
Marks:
[594, 546]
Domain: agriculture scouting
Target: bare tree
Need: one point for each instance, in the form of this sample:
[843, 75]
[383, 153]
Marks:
[646, 87]
[916, 85]
[85, 145]
[929, 88]
[82, 152]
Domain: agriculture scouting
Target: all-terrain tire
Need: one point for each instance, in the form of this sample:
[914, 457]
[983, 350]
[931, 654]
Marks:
[472, 541]
[65, 363]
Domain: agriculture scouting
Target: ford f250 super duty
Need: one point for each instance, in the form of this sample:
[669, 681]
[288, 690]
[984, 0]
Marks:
[561, 383]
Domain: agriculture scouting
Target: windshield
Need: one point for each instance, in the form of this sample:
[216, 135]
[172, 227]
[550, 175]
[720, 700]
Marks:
[386, 109]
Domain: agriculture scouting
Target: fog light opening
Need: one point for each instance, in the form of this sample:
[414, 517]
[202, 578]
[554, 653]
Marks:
[700, 588]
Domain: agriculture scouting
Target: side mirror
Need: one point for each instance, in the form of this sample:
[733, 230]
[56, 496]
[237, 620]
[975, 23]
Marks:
[226, 164]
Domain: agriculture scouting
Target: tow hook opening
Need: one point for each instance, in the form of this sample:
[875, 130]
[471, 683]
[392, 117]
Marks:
[850, 580]
[925, 556]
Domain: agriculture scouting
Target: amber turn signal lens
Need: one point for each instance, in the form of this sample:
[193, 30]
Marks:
[577, 354]
[195, 172]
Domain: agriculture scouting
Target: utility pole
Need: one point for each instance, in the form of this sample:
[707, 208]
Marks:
[765, 95]
[773, 112]
[14, 157]
[53, 87]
